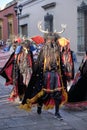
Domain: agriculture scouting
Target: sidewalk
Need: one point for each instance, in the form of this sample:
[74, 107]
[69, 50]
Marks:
[12, 118]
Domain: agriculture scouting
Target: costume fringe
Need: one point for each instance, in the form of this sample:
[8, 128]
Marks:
[64, 97]
[48, 107]
[25, 107]
[34, 99]
[31, 101]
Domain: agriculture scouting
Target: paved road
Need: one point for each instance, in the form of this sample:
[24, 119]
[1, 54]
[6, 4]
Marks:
[12, 118]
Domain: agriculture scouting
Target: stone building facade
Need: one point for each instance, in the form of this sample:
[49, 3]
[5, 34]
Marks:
[52, 13]
[8, 22]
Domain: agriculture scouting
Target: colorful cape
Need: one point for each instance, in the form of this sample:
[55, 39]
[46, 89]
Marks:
[35, 90]
[6, 71]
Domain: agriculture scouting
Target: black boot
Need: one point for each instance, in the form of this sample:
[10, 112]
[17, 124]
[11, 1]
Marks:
[39, 108]
[57, 114]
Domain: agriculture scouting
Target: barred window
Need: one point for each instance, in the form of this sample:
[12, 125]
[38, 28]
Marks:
[48, 20]
[82, 27]
[81, 36]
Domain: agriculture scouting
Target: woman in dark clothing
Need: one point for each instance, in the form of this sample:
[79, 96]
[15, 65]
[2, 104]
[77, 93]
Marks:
[78, 91]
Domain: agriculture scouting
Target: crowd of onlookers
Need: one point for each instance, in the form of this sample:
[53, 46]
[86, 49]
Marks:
[6, 46]
[1, 43]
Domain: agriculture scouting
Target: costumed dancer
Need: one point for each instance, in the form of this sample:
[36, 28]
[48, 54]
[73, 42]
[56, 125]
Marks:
[12, 71]
[77, 95]
[46, 87]
[67, 63]
[15, 73]
[25, 62]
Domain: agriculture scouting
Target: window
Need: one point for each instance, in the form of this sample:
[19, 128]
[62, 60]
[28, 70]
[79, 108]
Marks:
[81, 36]
[10, 29]
[82, 27]
[24, 30]
[48, 20]
[10, 25]
[1, 32]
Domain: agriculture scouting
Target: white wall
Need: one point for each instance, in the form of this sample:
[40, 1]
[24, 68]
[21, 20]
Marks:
[65, 12]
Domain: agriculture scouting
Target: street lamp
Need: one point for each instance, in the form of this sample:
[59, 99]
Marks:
[18, 11]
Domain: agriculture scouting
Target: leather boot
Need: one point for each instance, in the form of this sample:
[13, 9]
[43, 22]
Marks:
[39, 108]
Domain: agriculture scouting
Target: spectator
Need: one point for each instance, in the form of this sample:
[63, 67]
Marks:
[8, 45]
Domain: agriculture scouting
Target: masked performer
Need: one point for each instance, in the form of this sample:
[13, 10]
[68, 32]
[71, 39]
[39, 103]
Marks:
[46, 87]
[77, 95]
[25, 62]
[12, 71]
[67, 63]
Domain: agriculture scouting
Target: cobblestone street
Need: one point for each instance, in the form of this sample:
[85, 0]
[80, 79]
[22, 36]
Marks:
[12, 118]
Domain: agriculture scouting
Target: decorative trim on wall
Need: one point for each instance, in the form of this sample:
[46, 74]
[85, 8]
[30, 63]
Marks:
[50, 5]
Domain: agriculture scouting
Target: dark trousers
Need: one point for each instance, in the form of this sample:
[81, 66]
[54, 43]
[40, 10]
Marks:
[56, 96]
